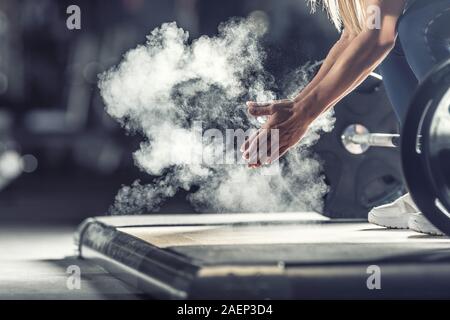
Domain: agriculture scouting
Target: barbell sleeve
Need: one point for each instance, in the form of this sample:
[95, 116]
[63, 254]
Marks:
[375, 139]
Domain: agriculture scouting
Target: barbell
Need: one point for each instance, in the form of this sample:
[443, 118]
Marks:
[424, 144]
[357, 139]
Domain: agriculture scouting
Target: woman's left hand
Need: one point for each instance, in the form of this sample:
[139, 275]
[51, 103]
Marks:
[286, 116]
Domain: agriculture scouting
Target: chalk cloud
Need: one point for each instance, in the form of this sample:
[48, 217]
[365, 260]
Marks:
[165, 87]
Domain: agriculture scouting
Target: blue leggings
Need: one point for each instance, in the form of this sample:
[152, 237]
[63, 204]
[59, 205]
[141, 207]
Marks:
[423, 42]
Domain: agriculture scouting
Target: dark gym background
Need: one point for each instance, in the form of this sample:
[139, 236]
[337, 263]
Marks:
[49, 102]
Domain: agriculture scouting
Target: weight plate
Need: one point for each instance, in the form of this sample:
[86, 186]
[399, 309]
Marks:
[436, 146]
[423, 150]
[358, 182]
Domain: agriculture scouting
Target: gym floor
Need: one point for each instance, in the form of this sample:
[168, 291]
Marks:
[34, 261]
[261, 256]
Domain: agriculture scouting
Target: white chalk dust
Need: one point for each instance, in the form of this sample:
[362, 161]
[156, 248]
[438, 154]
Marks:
[161, 88]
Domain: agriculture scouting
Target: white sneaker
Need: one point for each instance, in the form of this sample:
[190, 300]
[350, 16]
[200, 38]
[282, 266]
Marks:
[417, 222]
[402, 214]
[394, 215]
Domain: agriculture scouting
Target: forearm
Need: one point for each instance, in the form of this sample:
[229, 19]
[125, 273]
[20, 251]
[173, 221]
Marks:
[354, 65]
[362, 78]
[326, 66]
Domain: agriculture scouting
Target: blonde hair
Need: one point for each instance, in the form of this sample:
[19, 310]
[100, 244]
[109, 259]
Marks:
[348, 13]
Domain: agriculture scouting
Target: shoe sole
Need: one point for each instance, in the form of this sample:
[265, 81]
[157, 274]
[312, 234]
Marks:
[415, 225]
[391, 223]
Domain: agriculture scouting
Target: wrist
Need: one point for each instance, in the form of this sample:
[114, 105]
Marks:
[306, 109]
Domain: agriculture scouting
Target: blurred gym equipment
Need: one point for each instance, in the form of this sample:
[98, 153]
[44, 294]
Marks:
[12, 164]
[56, 119]
[361, 177]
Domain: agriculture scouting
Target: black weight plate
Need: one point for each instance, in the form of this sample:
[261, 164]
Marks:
[360, 182]
[436, 141]
[421, 164]
[436, 146]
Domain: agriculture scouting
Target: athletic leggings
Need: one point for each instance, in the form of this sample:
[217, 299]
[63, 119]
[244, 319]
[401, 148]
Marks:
[423, 42]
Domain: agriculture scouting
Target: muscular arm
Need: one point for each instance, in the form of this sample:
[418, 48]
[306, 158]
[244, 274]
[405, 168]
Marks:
[328, 63]
[350, 61]
[362, 55]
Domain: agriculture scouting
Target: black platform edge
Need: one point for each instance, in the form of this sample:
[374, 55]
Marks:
[156, 272]
[163, 274]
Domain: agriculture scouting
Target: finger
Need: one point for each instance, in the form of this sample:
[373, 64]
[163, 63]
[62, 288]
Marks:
[260, 109]
[249, 140]
[265, 150]
[258, 149]
[249, 154]
[274, 148]
[254, 166]
[249, 143]
[266, 157]
[263, 157]
[285, 103]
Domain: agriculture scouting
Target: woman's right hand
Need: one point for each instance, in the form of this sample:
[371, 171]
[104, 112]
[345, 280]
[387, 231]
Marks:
[291, 119]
